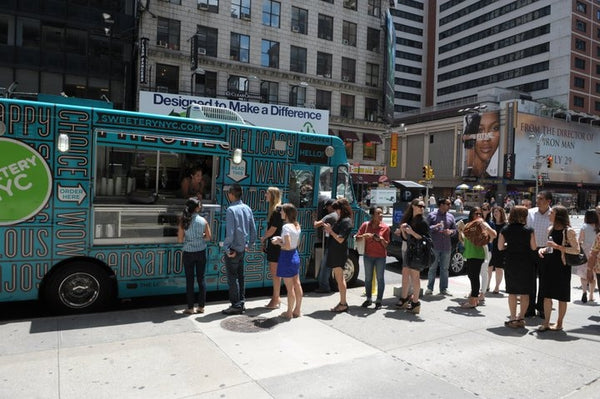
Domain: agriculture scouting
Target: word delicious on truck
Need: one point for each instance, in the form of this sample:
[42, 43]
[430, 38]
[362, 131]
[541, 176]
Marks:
[90, 197]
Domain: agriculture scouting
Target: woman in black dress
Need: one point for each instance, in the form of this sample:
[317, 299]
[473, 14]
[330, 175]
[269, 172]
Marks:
[517, 241]
[337, 248]
[497, 261]
[555, 276]
[412, 227]
[273, 197]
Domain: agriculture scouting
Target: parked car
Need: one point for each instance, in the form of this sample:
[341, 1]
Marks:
[457, 262]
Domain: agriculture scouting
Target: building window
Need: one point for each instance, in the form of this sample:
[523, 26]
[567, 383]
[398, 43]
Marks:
[205, 84]
[269, 92]
[271, 13]
[167, 78]
[580, 44]
[597, 105]
[369, 151]
[371, 105]
[328, 1]
[349, 147]
[349, 33]
[299, 20]
[347, 106]
[208, 40]
[373, 39]
[269, 56]
[239, 47]
[372, 78]
[237, 87]
[297, 96]
[167, 33]
[348, 69]
[581, 7]
[209, 5]
[579, 63]
[325, 27]
[324, 64]
[579, 82]
[297, 59]
[374, 8]
[323, 99]
[580, 25]
[578, 101]
[597, 69]
[350, 4]
[241, 9]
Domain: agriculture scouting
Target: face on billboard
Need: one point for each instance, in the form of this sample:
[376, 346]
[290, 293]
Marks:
[481, 138]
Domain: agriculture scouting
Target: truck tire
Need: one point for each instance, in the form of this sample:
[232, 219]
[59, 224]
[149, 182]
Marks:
[78, 287]
[351, 270]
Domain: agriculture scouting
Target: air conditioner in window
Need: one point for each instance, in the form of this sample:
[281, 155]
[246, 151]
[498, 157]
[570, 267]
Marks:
[345, 42]
[245, 17]
[327, 75]
[162, 89]
[163, 44]
[201, 51]
[203, 6]
[295, 28]
[345, 78]
[375, 49]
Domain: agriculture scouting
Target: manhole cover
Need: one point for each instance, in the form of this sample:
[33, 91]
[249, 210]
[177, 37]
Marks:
[248, 324]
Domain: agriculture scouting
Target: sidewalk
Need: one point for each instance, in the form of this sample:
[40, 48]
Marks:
[445, 352]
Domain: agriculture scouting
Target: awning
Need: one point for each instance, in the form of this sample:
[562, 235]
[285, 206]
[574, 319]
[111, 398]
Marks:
[371, 138]
[348, 135]
[406, 184]
[362, 178]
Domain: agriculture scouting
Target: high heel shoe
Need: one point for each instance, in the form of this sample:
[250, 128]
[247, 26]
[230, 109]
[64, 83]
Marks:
[415, 307]
[402, 303]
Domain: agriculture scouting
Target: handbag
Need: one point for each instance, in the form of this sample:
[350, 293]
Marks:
[574, 259]
[420, 252]
[359, 245]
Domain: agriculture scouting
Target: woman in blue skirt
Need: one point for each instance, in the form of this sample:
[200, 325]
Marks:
[288, 266]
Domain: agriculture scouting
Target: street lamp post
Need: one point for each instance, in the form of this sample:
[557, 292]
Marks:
[538, 165]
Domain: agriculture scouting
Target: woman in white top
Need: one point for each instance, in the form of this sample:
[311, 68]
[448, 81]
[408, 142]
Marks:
[587, 235]
[288, 266]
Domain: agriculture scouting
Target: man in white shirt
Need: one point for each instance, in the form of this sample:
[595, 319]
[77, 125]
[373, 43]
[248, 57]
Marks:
[538, 218]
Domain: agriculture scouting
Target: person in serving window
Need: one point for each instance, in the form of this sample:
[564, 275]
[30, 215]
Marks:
[193, 184]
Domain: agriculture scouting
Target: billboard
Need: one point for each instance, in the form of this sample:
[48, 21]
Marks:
[390, 67]
[297, 119]
[481, 137]
[573, 147]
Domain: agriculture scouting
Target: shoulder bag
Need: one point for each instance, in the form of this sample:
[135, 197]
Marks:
[574, 259]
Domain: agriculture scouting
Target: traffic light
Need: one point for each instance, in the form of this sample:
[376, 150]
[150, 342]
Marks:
[549, 161]
[540, 180]
[425, 171]
[431, 175]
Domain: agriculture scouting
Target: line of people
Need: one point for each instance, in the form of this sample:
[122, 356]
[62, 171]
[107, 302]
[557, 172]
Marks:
[528, 245]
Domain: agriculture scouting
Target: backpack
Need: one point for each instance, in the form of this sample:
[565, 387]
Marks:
[476, 232]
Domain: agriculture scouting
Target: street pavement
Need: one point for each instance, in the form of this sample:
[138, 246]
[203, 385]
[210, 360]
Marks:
[444, 352]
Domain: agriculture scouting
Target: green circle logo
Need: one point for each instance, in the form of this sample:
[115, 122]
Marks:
[25, 182]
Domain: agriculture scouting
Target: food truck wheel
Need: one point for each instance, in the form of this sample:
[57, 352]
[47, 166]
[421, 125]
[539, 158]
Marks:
[351, 270]
[78, 287]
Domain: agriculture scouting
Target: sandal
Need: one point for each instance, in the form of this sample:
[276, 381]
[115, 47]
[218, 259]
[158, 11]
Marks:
[467, 305]
[340, 307]
[514, 323]
[543, 328]
[554, 327]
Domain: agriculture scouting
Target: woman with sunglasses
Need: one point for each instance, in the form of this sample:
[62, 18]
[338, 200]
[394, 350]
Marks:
[412, 227]
[475, 255]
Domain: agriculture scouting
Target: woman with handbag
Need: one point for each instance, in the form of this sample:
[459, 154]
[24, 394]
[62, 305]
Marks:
[517, 241]
[555, 278]
[475, 254]
[376, 235]
[337, 248]
[412, 228]
[274, 224]
[587, 235]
